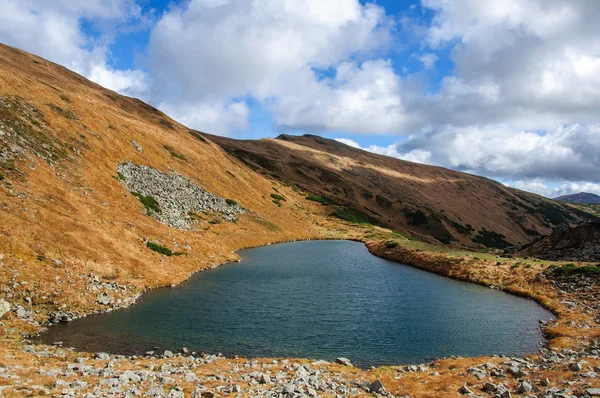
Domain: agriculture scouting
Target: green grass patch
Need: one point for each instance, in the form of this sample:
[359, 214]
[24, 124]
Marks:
[355, 216]
[277, 202]
[572, 269]
[120, 176]
[66, 113]
[265, 223]
[174, 153]
[161, 249]
[149, 202]
[166, 123]
[390, 244]
[320, 199]
[2, 176]
[278, 197]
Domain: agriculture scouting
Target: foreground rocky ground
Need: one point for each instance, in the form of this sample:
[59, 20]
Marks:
[569, 367]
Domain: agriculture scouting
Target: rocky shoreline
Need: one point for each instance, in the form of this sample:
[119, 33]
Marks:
[69, 373]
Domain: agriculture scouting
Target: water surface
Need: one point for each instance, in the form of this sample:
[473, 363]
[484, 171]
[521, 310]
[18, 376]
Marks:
[317, 299]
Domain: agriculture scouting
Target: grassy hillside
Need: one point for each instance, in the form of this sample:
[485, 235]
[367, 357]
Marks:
[430, 203]
[66, 213]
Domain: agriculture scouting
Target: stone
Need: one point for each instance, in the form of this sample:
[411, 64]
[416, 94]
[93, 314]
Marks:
[489, 388]
[524, 387]
[4, 308]
[176, 195]
[343, 361]
[155, 392]
[264, 379]
[104, 299]
[576, 366]
[594, 392]
[377, 387]
[136, 145]
[168, 354]
[23, 313]
[464, 390]
[102, 356]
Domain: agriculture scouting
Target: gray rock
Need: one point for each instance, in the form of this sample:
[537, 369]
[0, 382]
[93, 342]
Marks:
[136, 146]
[175, 194]
[377, 387]
[168, 354]
[102, 356]
[343, 361]
[464, 390]
[23, 313]
[104, 299]
[576, 366]
[4, 308]
[594, 392]
[155, 392]
[524, 387]
[264, 379]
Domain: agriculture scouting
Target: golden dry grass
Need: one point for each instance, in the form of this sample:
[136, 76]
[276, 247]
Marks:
[78, 212]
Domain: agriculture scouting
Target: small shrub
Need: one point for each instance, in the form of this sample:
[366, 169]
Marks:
[174, 153]
[2, 176]
[355, 216]
[120, 176]
[231, 202]
[148, 201]
[278, 197]
[166, 123]
[277, 202]
[161, 249]
[320, 199]
[66, 113]
[391, 244]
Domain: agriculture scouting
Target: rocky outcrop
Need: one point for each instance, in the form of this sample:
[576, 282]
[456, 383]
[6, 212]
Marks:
[175, 195]
[581, 243]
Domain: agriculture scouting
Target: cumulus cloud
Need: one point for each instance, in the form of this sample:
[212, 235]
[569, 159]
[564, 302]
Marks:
[214, 118]
[52, 29]
[519, 104]
[551, 190]
[276, 52]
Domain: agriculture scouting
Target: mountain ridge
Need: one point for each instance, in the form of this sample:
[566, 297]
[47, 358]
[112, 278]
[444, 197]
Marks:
[581, 197]
[431, 203]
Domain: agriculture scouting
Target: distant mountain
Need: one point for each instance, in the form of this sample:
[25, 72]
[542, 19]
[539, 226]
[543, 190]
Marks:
[581, 197]
[426, 202]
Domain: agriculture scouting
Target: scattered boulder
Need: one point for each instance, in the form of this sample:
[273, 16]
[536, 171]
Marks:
[343, 361]
[377, 387]
[175, 195]
[136, 145]
[104, 299]
[4, 308]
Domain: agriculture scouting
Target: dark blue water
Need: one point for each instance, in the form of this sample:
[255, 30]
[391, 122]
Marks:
[317, 299]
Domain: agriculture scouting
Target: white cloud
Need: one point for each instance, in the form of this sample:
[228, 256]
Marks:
[428, 60]
[274, 51]
[213, 118]
[52, 30]
[552, 189]
[520, 104]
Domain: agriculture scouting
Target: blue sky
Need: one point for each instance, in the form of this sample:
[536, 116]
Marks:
[508, 90]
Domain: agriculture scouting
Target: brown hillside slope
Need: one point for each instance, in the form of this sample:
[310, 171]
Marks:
[65, 214]
[432, 203]
[71, 234]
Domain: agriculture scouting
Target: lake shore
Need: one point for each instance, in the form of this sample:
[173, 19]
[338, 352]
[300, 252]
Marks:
[569, 364]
